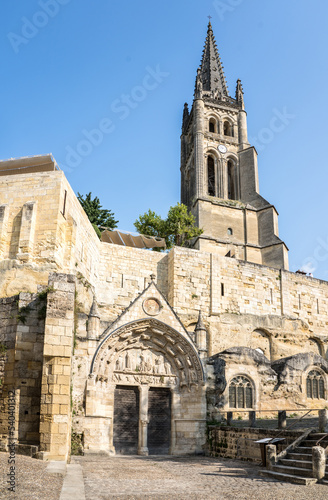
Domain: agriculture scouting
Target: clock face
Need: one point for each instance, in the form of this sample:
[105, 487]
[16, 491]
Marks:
[222, 148]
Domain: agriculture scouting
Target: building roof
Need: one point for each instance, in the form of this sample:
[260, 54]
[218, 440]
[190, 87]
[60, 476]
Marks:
[28, 164]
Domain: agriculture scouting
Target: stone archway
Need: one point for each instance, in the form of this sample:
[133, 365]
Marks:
[159, 362]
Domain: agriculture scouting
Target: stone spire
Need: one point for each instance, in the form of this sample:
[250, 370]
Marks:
[240, 94]
[93, 325]
[211, 69]
[201, 334]
[94, 309]
[185, 117]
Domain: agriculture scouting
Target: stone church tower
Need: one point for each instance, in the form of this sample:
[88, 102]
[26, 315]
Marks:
[219, 173]
[131, 351]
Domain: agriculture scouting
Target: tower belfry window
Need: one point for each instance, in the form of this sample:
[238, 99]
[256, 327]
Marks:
[211, 126]
[231, 181]
[227, 129]
[210, 176]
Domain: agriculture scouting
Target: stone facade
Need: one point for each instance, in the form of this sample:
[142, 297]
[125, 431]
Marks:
[117, 343]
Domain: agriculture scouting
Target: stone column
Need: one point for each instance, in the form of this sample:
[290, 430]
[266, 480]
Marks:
[4, 216]
[143, 420]
[55, 411]
[318, 462]
[199, 147]
[282, 420]
[271, 455]
[323, 420]
[242, 130]
[224, 190]
[252, 418]
[229, 417]
[175, 399]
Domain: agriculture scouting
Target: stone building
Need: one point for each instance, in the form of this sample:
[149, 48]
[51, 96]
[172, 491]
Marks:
[132, 349]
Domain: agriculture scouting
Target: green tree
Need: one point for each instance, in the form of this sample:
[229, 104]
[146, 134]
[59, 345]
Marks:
[177, 228]
[98, 216]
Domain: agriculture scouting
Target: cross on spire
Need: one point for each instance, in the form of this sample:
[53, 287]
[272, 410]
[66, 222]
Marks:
[210, 17]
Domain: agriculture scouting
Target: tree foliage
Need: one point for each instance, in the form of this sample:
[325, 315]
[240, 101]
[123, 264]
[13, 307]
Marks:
[98, 216]
[177, 228]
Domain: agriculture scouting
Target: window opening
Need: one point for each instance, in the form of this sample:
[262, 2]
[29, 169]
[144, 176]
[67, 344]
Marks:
[240, 393]
[227, 129]
[210, 176]
[231, 181]
[315, 387]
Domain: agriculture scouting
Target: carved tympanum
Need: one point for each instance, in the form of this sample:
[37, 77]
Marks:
[147, 352]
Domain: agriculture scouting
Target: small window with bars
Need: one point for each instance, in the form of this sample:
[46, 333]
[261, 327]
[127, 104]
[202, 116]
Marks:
[240, 393]
[315, 386]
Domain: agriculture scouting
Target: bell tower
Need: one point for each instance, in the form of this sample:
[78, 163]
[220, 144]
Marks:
[219, 173]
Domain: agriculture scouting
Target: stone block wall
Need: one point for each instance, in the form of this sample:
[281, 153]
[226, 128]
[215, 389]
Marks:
[21, 332]
[55, 419]
[231, 442]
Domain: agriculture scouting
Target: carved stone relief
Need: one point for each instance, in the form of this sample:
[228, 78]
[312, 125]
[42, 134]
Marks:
[147, 352]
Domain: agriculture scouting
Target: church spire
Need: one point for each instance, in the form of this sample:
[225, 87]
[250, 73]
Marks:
[211, 70]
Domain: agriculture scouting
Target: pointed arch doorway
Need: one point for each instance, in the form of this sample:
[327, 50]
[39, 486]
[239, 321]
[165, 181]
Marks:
[146, 381]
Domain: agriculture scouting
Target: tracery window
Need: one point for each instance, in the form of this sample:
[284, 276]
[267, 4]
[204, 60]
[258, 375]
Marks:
[315, 386]
[240, 393]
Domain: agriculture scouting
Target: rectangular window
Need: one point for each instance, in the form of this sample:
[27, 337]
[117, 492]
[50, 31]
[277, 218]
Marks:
[222, 290]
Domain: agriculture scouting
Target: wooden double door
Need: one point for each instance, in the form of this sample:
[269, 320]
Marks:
[126, 420]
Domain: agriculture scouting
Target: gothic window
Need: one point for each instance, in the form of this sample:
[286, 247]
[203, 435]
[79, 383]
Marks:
[315, 386]
[210, 176]
[212, 127]
[227, 129]
[231, 181]
[240, 393]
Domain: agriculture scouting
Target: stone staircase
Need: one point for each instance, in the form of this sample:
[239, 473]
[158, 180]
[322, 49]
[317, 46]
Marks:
[296, 466]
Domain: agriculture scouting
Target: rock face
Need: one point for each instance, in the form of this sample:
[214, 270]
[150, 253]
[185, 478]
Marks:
[113, 341]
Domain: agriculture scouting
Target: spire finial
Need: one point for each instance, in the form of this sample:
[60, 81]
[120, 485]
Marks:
[211, 74]
[200, 324]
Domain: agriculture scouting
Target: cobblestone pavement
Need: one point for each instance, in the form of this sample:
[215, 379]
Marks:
[192, 478]
[32, 481]
[155, 478]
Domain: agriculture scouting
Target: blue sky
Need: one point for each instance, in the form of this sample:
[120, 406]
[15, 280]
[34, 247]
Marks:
[68, 65]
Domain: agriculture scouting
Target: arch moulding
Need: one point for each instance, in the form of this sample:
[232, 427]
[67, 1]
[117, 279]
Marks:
[148, 352]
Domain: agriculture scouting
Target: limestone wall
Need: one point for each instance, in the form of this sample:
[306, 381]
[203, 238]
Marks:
[231, 442]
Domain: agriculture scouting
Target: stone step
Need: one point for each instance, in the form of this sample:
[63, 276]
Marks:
[303, 464]
[289, 478]
[295, 471]
[300, 456]
[310, 442]
[304, 449]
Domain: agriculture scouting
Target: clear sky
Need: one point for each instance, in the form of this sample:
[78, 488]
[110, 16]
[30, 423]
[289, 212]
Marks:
[122, 70]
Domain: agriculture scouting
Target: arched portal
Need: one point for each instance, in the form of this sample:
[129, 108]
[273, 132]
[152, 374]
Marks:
[146, 378]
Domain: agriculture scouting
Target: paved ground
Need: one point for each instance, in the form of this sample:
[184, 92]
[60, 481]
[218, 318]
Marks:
[185, 478]
[32, 480]
[155, 478]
